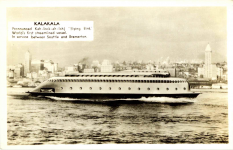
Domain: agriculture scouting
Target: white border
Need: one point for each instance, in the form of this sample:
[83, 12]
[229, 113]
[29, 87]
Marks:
[42, 3]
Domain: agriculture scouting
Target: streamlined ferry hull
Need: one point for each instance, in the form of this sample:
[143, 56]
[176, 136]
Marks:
[115, 96]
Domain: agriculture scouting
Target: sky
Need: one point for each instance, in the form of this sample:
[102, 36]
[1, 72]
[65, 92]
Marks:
[127, 33]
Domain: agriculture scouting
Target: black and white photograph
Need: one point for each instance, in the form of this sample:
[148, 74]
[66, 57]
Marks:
[103, 75]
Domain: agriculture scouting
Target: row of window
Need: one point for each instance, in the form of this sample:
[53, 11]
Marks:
[111, 80]
[117, 75]
[119, 88]
[148, 71]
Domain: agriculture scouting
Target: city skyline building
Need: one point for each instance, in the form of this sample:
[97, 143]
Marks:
[208, 62]
[27, 62]
[37, 65]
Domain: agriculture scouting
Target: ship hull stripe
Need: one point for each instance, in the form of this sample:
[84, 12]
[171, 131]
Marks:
[115, 96]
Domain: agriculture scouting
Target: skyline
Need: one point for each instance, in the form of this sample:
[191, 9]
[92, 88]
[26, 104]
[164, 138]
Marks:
[128, 33]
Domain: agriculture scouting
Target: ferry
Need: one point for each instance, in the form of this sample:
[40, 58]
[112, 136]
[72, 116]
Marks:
[120, 85]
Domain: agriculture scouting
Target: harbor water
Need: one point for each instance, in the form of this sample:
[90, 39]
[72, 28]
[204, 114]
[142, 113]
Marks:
[46, 121]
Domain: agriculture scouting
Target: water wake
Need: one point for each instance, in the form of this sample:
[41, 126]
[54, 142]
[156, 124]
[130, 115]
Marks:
[143, 99]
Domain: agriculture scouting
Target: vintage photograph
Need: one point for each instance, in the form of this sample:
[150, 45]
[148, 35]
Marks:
[117, 75]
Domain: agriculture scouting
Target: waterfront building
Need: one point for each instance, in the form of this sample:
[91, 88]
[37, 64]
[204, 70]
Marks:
[11, 74]
[106, 66]
[150, 67]
[29, 75]
[71, 68]
[220, 73]
[20, 70]
[17, 72]
[201, 72]
[27, 62]
[55, 67]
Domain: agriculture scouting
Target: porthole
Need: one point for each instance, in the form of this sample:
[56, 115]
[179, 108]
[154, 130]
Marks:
[110, 88]
[138, 88]
[80, 88]
[100, 88]
[129, 88]
[157, 88]
[176, 89]
[167, 89]
[119, 88]
[148, 89]
[184, 88]
[90, 88]
[61, 88]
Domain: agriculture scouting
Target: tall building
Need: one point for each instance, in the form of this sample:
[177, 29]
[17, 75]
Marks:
[27, 62]
[208, 66]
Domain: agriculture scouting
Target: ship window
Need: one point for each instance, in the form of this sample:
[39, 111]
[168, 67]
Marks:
[110, 88]
[129, 88]
[68, 80]
[80, 88]
[138, 88]
[161, 81]
[167, 89]
[100, 88]
[148, 81]
[184, 88]
[176, 89]
[119, 88]
[157, 88]
[61, 88]
[90, 88]
[175, 81]
[71, 88]
[148, 89]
